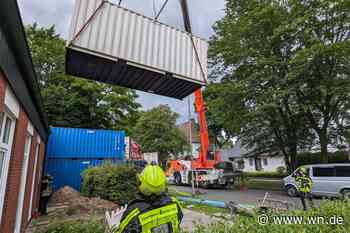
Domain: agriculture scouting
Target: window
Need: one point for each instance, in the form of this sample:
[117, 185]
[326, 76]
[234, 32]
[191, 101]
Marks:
[2, 161]
[258, 164]
[7, 129]
[308, 171]
[251, 162]
[226, 166]
[240, 164]
[7, 124]
[265, 162]
[323, 171]
[342, 171]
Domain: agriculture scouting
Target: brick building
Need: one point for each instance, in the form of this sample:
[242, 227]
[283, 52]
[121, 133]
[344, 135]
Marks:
[23, 126]
[190, 130]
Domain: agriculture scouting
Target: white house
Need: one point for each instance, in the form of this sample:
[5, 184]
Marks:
[263, 162]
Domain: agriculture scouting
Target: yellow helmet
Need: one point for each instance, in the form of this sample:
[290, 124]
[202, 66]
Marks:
[303, 170]
[152, 181]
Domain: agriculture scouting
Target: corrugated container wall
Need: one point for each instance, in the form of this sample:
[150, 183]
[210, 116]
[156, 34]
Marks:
[111, 44]
[67, 172]
[86, 143]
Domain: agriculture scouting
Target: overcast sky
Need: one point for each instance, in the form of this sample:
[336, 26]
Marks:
[203, 13]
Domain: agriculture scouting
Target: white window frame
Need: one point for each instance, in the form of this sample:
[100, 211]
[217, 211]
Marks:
[8, 148]
[37, 151]
[23, 183]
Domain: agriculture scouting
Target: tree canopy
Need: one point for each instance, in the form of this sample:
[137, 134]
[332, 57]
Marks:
[290, 60]
[156, 131]
[75, 102]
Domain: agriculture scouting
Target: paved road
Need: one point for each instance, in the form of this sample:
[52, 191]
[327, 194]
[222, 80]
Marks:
[250, 197]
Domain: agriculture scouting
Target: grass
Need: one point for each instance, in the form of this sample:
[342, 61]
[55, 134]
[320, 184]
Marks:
[261, 174]
[327, 210]
[263, 184]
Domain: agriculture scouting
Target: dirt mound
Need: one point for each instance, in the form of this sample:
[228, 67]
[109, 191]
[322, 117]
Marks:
[65, 195]
[68, 196]
[68, 205]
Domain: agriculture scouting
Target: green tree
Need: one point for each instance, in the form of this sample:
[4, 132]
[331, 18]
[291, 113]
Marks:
[274, 52]
[262, 126]
[75, 102]
[320, 65]
[156, 131]
[224, 122]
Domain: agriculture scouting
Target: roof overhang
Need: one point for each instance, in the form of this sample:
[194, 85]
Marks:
[16, 63]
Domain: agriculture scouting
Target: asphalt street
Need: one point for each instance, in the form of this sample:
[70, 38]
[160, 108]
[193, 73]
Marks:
[250, 196]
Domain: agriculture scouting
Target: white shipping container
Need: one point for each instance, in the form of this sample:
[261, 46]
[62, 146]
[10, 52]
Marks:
[112, 44]
[151, 157]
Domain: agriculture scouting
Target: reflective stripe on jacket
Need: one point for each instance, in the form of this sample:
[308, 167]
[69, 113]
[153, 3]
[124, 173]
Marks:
[146, 216]
[304, 184]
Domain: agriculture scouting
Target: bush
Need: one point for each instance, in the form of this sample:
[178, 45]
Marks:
[115, 183]
[312, 158]
[91, 226]
[327, 210]
[265, 174]
[281, 170]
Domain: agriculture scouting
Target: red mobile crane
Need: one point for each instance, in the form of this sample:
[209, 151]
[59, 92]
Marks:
[203, 162]
[205, 167]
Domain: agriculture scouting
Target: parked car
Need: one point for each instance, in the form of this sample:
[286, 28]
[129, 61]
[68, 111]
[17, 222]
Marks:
[330, 180]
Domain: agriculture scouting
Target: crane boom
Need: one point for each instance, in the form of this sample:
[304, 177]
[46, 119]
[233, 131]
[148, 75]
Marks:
[203, 169]
[203, 128]
[199, 103]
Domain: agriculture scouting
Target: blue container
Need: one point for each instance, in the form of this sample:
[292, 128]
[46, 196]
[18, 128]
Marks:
[86, 143]
[67, 172]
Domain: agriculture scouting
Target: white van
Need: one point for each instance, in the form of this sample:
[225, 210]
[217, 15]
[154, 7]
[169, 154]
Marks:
[330, 180]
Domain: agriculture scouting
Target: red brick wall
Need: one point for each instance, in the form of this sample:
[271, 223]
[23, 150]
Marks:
[28, 188]
[8, 218]
[2, 91]
[14, 175]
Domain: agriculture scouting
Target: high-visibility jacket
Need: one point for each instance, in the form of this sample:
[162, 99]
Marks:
[162, 215]
[304, 183]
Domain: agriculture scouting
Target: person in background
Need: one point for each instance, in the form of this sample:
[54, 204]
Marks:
[153, 211]
[304, 185]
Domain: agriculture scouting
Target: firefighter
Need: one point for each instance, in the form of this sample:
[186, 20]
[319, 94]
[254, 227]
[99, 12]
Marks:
[304, 185]
[152, 211]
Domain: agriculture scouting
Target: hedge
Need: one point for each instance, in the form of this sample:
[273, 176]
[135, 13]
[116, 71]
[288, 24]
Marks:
[112, 182]
[313, 158]
[265, 174]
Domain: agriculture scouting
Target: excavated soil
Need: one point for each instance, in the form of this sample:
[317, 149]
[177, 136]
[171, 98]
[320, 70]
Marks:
[68, 204]
[68, 195]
